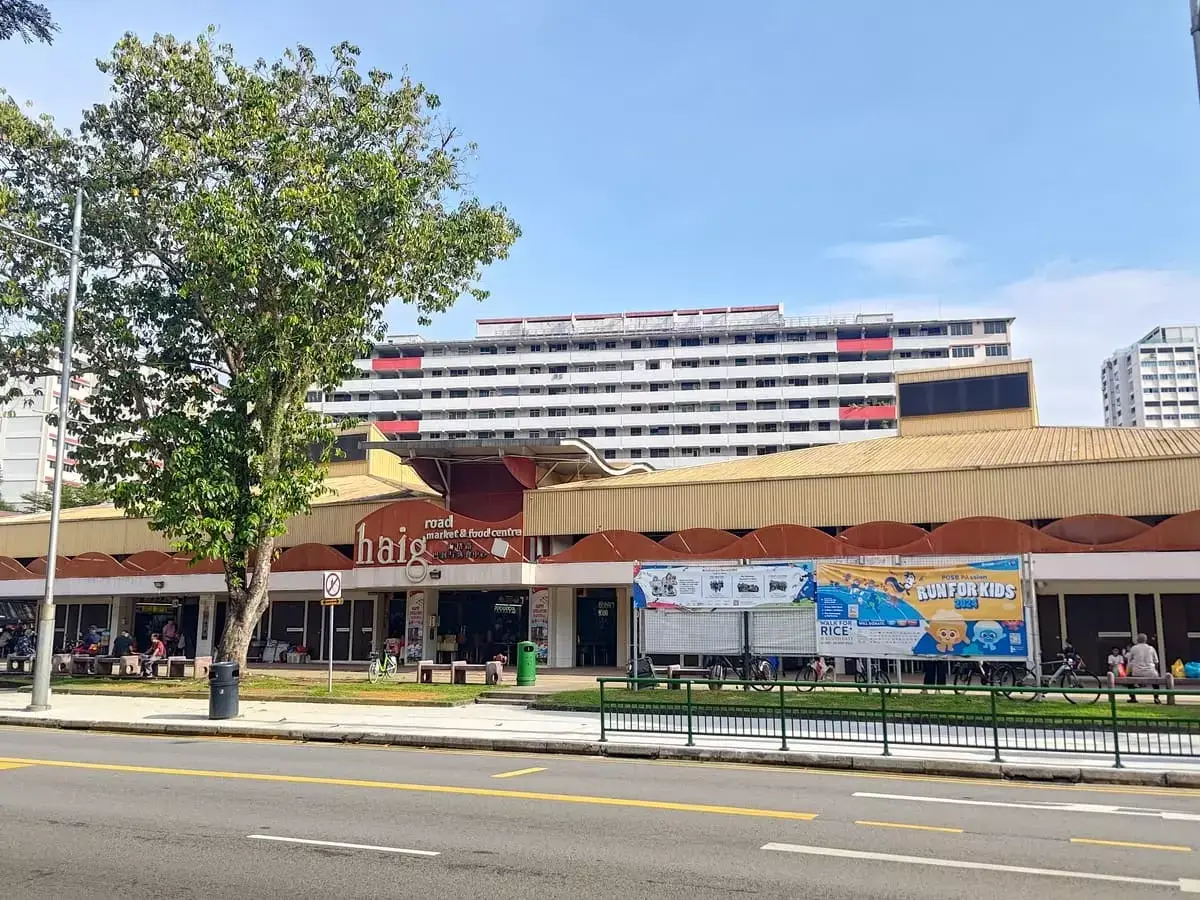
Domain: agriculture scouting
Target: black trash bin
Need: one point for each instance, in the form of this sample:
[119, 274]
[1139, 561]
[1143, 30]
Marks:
[223, 680]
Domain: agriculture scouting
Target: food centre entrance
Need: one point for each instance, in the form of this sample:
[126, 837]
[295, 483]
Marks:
[478, 626]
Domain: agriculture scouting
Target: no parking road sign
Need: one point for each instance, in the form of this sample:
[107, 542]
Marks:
[331, 589]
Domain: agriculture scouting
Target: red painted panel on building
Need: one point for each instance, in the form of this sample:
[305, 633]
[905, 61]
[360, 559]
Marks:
[864, 345]
[866, 413]
[395, 363]
[400, 426]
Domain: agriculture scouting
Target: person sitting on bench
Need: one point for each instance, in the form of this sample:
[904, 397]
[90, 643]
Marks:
[1143, 663]
[155, 651]
[123, 645]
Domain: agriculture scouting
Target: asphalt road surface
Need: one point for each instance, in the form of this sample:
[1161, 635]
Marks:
[108, 816]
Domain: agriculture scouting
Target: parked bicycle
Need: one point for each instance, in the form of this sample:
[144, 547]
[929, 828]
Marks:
[874, 674]
[1071, 673]
[761, 674]
[813, 671]
[382, 665]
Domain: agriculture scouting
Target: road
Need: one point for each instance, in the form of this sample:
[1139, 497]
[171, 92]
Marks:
[118, 816]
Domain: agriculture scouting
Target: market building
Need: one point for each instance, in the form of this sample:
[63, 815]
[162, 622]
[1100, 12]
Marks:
[460, 548]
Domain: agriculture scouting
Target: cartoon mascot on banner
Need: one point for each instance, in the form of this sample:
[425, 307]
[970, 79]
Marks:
[910, 580]
[948, 629]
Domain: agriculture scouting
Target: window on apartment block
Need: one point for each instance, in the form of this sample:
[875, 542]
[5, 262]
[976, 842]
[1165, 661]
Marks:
[962, 328]
[635, 431]
[714, 339]
[714, 429]
[742, 428]
[765, 383]
[659, 343]
[689, 342]
[742, 451]
[962, 352]
[995, 327]
[997, 350]
[741, 406]
[689, 429]
[659, 452]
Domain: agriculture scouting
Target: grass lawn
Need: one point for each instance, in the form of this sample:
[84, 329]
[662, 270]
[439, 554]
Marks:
[826, 701]
[273, 687]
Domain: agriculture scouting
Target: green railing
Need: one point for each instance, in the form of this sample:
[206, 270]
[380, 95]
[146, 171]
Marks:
[995, 719]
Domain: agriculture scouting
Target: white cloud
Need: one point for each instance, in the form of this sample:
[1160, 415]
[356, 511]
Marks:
[1068, 323]
[921, 260]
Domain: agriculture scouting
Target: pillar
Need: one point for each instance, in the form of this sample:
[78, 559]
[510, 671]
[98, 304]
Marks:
[624, 629]
[1062, 617]
[206, 622]
[562, 628]
[1133, 622]
[1163, 665]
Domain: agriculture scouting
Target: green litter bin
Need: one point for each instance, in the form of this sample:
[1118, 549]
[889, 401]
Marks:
[526, 663]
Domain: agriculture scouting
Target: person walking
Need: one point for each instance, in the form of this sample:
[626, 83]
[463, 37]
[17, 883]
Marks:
[1142, 662]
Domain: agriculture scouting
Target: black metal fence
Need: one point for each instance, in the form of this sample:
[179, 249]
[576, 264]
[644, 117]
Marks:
[982, 718]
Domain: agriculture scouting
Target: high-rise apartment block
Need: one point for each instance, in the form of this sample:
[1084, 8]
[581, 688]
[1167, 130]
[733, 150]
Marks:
[678, 387]
[28, 443]
[1153, 384]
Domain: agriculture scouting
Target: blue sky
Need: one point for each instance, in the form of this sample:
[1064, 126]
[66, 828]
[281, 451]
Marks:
[1029, 157]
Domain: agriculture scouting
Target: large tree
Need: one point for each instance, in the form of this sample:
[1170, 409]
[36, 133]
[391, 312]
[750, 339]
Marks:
[245, 229]
[30, 20]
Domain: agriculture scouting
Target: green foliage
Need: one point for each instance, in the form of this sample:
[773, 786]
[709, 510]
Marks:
[30, 20]
[72, 496]
[244, 230]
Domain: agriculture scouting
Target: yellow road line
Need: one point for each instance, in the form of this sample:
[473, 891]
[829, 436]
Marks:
[913, 827]
[1177, 848]
[5, 765]
[520, 772]
[425, 789]
[1135, 790]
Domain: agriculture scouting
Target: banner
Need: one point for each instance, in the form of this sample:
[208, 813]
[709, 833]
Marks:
[539, 623]
[414, 632]
[970, 610]
[723, 587]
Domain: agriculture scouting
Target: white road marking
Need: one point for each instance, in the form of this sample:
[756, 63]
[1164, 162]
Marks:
[1169, 815]
[340, 845]
[1183, 884]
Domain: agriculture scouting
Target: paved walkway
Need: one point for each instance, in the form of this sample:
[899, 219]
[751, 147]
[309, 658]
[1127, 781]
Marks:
[480, 726]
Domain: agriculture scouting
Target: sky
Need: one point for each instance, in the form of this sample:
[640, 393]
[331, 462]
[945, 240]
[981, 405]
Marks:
[945, 157]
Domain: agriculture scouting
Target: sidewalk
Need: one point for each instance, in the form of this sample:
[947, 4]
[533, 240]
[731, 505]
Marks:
[511, 729]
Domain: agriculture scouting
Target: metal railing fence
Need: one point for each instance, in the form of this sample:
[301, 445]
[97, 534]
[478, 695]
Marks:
[995, 719]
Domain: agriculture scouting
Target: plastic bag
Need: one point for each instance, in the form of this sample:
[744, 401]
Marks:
[1177, 668]
[1191, 670]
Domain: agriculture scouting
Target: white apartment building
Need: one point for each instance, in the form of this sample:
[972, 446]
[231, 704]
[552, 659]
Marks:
[29, 444]
[1153, 384]
[675, 387]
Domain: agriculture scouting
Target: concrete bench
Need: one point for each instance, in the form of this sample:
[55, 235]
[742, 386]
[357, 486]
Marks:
[130, 666]
[427, 667]
[61, 663]
[492, 671]
[674, 672]
[83, 665]
[19, 664]
[107, 666]
[1144, 681]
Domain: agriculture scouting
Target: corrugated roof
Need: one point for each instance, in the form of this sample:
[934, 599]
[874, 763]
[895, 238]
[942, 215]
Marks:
[342, 489]
[1041, 446]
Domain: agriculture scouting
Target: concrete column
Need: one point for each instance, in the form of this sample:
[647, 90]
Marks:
[562, 628]
[1163, 665]
[205, 639]
[1062, 618]
[624, 634]
[431, 611]
[114, 619]
[1133, 622]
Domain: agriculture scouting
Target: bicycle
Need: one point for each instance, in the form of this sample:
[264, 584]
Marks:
[1070, 674]
[382, 665]
[875, 675]
[761, 675]
[815, 670]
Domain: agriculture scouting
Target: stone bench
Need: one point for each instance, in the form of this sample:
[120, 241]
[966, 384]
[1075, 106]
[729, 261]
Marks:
[426, 669]
[19, 664]
[674, 672]
[493, 671]
[1166, 681]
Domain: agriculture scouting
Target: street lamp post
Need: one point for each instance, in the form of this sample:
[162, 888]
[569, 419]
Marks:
[45, 628]
[1195, 10]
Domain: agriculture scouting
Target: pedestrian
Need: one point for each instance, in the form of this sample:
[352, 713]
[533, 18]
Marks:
[5, 640]
[1142, 661]
[156, 650]
[123, 645]
[170, 634]
[1116, 662]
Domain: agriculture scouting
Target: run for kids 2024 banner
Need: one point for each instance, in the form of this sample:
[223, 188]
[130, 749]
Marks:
[971, 610]
[723, 587]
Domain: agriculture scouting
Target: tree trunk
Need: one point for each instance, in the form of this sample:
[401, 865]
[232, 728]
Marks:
[248, 599]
